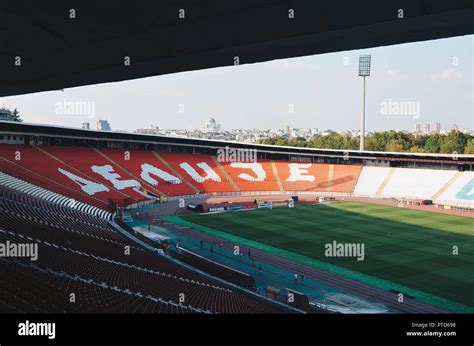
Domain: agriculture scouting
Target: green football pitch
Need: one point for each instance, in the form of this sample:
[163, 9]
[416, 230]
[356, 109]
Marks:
[410, 248]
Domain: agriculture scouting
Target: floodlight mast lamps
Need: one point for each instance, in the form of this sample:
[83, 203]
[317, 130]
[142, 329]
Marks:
[364, 71]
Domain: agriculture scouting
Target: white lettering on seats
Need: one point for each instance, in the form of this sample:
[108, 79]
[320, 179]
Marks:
[148, 169]
[297, 170]
[255, 167]
[107, 171]
[87, 186]
[209, 172]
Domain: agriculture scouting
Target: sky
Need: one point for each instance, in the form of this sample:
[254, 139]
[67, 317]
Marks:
[422, 82]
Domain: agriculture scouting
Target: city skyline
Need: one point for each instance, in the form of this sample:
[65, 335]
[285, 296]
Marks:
[211, 129]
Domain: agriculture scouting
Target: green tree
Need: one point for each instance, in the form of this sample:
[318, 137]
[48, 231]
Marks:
[267, 141]
[379, 140]
[433, 143]
[469, 149]
[396, 145]
[16, 116]
[416, 149]
[282, 141]
[455, 141]
[419, 141]
[354, 143]
[409, 138]
[394, 141]
[298, 142]
[370, 143]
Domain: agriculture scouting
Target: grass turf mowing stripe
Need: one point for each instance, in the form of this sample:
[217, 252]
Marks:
[292, 234]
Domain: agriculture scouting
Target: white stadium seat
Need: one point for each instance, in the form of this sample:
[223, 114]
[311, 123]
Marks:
[461, 191]
[416, 183]
[370, 180]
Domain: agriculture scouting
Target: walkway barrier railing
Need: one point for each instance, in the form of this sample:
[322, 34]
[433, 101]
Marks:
[457, 204]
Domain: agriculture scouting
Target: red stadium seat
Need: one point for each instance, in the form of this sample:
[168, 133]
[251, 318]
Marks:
[136, 162]
[256, 176]
[95, 176]
[28, 163]
[88, 162]
[297, 176]
[199, 170]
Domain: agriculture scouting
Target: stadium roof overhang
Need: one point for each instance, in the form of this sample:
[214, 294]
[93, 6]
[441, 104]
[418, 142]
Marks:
[43, 48]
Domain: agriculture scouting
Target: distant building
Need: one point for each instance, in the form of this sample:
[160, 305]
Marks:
[152, 131]
[455, 127]
[437, 128]
[210, 126]
[427, 128]
[5, 114]
[417, 128]
[287, 129]
[102, 125]
[86, 126]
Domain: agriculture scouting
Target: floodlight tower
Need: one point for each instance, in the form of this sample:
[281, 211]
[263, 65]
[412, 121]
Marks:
[364, 71]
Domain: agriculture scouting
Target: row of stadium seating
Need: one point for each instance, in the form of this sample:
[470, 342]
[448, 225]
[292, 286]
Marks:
[22, 293]
[80, 253]
[441, 186]
[98, 176]
[49, 183]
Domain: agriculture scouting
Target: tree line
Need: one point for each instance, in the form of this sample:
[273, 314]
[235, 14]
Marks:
[394, 141]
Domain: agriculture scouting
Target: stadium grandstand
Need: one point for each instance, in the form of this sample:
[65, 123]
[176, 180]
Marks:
[72, 191]
[114, 222]
[83, 253]
[107, 170]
